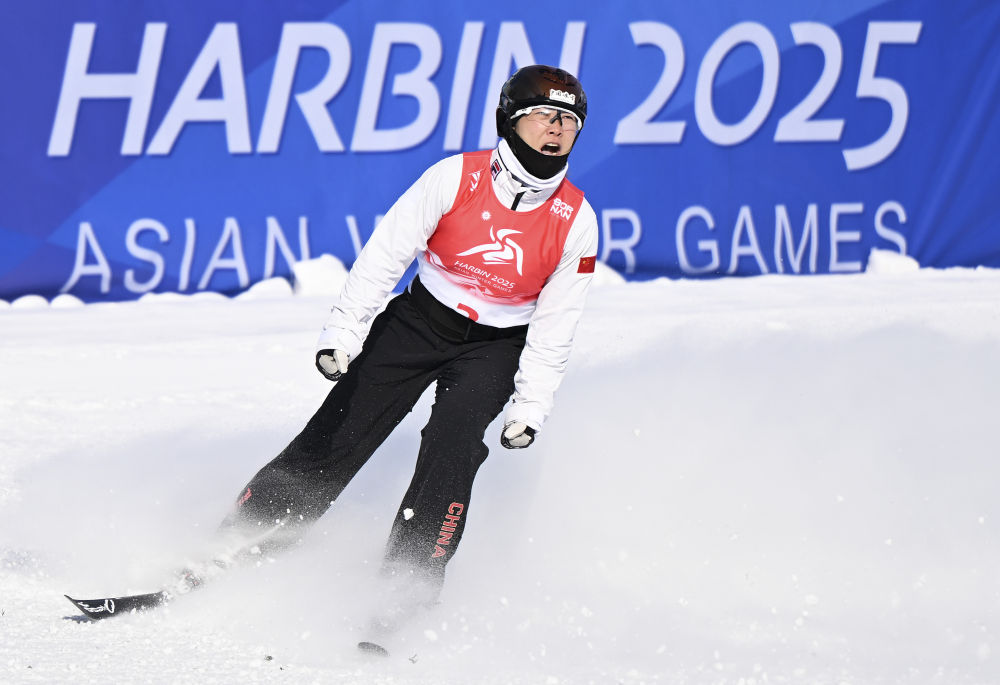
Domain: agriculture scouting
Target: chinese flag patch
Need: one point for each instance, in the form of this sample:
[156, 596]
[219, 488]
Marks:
[587, 265]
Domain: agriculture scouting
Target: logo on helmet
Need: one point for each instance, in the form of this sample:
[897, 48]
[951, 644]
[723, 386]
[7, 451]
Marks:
[562, 96]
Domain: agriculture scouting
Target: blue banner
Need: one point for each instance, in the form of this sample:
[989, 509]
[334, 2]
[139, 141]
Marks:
[187, 146]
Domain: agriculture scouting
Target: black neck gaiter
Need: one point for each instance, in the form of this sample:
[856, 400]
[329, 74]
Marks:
[534, 162]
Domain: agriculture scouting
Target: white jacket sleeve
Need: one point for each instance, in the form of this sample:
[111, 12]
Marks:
[401, 234]
[553, 325]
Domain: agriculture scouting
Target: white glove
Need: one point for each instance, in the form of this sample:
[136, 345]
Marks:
[332, 363]
[516, 435]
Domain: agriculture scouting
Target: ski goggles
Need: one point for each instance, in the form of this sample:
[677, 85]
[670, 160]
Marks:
[545, 115]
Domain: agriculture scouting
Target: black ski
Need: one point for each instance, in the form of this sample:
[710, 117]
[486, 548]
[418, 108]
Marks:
[106, 607]
[187, 579]
[373, 649]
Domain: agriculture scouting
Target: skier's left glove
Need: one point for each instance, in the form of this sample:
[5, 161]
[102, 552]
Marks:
[332, 363]
[516, 435]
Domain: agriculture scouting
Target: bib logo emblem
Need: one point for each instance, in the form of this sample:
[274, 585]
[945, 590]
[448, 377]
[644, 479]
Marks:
[502, 249]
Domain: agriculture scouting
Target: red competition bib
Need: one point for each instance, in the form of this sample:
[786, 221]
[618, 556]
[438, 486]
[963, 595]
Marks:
[495, 253]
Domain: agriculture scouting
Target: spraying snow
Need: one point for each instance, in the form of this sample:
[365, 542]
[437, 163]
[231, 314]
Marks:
[767, 480]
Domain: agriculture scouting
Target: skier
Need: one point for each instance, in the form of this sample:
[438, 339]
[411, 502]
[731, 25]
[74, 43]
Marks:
[506, 250]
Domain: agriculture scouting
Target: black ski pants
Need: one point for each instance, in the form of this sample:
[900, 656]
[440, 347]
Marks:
[412, 343]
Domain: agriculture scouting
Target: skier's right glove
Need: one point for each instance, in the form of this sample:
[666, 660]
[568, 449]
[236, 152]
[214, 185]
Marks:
[516, 435]
[332, 363]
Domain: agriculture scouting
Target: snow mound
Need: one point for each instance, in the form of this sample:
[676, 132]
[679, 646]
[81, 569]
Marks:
[324, 275]
[888, 262]
[269, 289]
[66, 301]
[30, 302]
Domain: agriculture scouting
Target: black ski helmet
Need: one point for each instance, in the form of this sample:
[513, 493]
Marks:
[539, 85]
[536, 86]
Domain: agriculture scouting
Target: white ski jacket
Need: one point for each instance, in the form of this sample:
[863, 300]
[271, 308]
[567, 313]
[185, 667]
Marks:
[403, 234]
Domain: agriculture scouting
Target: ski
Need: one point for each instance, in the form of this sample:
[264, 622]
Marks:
[373, 649]
[106, 607]
[189, 578]
[185, 581]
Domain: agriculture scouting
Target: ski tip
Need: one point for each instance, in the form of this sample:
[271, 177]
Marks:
[373, 649]
[81, 606]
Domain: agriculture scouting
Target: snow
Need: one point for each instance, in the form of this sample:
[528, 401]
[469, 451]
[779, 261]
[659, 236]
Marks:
[745, 481]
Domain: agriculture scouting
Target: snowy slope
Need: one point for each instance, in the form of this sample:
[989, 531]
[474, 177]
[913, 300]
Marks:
[768, 480]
